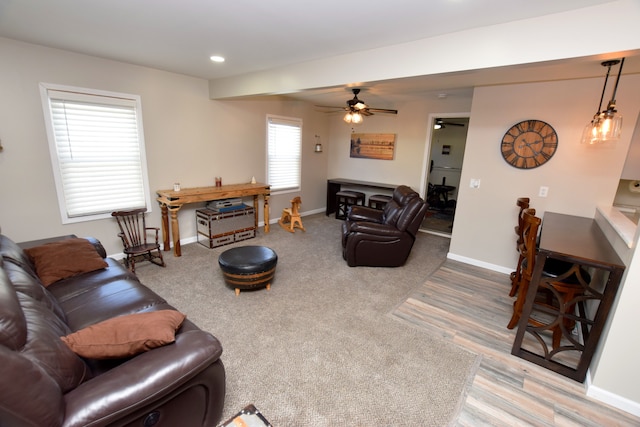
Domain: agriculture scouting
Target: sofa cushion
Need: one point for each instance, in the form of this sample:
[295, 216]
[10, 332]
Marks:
[126, 335]
[65, 258]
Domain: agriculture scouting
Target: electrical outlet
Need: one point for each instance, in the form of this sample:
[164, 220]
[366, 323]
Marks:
[543, 191]
[475, 183]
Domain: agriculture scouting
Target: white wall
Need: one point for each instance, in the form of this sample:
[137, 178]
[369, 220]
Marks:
[189, 139]
[410, 127]
[579, 178]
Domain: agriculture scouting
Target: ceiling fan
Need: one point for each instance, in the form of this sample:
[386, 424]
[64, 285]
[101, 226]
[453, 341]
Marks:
[356, 109]
[441, 124]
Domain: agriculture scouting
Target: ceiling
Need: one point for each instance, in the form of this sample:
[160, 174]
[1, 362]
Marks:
[180, 36]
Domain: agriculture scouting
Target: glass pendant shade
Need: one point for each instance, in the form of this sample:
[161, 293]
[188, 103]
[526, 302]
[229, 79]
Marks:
[606, 126]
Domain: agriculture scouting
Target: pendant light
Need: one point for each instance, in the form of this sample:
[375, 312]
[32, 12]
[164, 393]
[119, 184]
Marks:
[605, 125]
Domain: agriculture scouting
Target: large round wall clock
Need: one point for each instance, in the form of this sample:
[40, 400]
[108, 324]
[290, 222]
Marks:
[529, 144]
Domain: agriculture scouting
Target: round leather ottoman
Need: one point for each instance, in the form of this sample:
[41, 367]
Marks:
[248, 267]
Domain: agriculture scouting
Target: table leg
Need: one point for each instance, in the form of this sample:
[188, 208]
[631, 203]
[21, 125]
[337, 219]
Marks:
[165, 227]
[175, 231]
[255, 211]
[266, 213]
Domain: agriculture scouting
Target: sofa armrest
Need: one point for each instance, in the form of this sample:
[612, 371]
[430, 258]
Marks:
[364, 213]
[141, 381]
[96, 244]
[374, 229]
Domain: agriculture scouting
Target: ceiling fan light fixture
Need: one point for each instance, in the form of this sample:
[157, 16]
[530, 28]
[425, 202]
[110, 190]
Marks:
[359, 105]
[353, 117]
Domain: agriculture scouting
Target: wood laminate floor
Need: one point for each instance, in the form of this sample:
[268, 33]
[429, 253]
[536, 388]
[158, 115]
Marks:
[471, 307]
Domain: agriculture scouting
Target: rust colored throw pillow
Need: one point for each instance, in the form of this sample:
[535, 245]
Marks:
[65, 258]
[126, 335]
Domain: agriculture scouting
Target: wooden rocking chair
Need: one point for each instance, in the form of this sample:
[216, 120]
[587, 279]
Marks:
[291, 216]
[133, 232]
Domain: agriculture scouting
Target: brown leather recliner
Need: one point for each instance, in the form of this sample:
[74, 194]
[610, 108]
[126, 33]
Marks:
[376, 238]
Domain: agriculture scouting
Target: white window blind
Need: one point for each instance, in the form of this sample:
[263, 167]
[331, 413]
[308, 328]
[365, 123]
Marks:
[284, 140]
[97, 152]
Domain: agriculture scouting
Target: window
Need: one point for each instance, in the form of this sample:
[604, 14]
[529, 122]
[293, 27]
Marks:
[283, 153]
[97, 151]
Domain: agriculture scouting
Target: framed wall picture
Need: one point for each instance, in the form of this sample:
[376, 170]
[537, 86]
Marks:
[380, 146]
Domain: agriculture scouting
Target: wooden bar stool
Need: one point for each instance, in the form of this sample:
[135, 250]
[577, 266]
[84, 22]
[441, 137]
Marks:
[379, 201]
[345, 199]
[559, 294]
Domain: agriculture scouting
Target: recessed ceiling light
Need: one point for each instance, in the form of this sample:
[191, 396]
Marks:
[216, 58]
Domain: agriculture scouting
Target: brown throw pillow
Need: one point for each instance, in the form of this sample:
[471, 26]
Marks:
[65, 258]
[126, 335]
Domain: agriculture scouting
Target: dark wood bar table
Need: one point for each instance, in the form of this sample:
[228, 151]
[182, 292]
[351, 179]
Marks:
[580, 242]
[335, 184]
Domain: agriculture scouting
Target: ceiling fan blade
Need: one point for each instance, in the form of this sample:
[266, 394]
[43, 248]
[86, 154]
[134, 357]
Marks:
[383, 110]
[330, 106]
[452, 124]
[366, 112]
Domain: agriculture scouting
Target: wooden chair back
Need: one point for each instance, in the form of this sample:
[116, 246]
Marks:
[132, 226]
[522, 203]
[528, 251]
[133, 233]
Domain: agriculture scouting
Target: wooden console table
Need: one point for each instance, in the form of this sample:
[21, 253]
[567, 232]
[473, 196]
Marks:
[172, 201]
[334, 185]
[579, 241]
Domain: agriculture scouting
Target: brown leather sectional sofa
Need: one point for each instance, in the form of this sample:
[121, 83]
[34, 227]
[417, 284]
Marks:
[45, 383]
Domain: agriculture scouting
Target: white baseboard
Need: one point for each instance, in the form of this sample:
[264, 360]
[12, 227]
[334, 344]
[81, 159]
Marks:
[274, 220]
[614, 400]
[477, 263]
[194, 239]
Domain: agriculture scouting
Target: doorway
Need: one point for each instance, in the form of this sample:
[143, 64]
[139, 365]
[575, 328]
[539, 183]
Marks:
[447, 136]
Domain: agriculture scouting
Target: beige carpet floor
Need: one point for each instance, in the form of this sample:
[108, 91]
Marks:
[321, 348]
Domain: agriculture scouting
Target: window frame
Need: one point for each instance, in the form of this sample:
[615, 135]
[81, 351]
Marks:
[98, 97]
[284, 121]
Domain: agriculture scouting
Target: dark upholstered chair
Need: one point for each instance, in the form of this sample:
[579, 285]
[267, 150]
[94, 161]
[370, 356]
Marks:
[383, 238]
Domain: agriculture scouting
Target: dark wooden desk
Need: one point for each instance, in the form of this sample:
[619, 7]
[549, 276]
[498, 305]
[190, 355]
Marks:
[172, 201]
[580, 242]
[334, 185]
